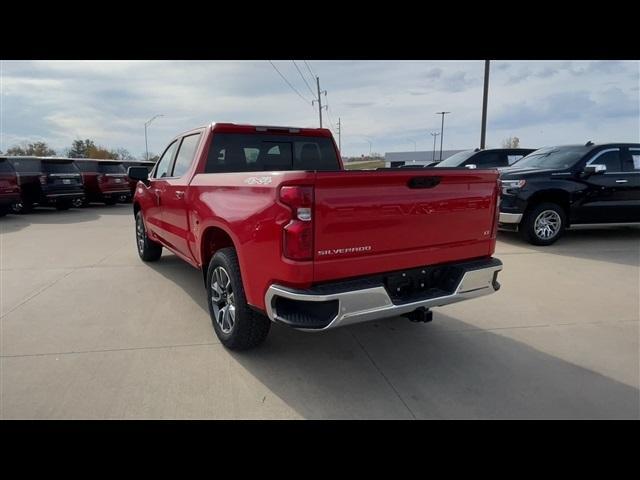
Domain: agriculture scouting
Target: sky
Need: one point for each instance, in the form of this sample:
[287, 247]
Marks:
[391, 104]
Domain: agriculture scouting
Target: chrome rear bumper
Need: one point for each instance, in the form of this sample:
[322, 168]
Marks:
[365, 304]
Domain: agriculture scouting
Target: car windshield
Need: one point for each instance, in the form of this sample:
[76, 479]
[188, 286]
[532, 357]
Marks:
[552, 158]
[456, 160]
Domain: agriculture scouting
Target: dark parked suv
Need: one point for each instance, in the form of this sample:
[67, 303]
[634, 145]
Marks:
[489, 158]
[9, 189]
[46, 182]
[105, 181]
[555, 188]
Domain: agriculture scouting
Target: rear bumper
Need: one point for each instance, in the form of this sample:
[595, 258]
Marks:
[346, 303]
[7, 200]
[115, 193]
[54, 197]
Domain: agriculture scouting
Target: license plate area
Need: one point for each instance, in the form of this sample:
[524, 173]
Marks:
[419, 283]
[66, 181]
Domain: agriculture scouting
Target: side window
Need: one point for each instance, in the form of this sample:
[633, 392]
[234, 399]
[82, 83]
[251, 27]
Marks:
[632, 162]
[610, 158]
[162, 170]
[185, 155]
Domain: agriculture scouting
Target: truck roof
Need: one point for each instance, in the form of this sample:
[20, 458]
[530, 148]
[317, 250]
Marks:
[245, 128]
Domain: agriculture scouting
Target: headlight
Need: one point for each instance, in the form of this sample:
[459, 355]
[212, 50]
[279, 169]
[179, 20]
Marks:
[509, 185]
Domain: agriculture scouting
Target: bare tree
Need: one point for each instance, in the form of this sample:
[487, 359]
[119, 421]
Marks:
[511, 142]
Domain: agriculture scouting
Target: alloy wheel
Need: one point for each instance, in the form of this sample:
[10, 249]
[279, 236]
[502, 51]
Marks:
[547, 224]
[223, 300]
[140, 234]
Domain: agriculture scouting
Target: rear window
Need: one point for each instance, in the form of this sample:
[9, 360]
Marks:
[85, 166]
[111, 168]
[234, 152]
[5, 167]
[59, 167]
[457, 159]
[26, 165]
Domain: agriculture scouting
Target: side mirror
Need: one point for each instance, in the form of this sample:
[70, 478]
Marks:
[139, 173]
[594, 169]
[471, 166]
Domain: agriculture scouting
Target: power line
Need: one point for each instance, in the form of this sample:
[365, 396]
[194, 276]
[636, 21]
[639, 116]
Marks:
[313, 75]
[287, 82]
[303, 79]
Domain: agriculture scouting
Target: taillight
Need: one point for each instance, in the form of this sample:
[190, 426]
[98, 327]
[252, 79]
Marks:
[496, 218]
[297, 243]
[43, 179]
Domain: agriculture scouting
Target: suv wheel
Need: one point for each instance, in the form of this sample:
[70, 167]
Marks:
[77, 202]
[543, 224]
[63, 205]
[148, 250]
[21, 206]
[236, 324]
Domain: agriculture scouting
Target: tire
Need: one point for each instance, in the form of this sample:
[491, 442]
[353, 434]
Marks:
[110, 201]
[21, 207]
[148, 250]
[240, 327]
[78, 203]
[543, 224]
[63, 205]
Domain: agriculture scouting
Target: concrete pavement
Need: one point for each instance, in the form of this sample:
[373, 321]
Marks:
[89, 331]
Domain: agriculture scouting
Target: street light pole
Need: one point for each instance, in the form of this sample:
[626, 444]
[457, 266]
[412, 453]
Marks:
[484, 104]
[435, 136]
[441, 131]
[146, 144]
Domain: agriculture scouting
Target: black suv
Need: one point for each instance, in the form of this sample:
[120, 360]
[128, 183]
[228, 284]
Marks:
[46, 181]
[557, 187]
[489, 158]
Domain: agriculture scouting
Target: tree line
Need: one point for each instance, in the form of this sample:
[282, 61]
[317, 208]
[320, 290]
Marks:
[79, 149]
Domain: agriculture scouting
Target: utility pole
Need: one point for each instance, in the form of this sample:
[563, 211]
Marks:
[146, 144]
[319, 100]
[435, 136]
[339, 136]
[483, 133]
[441, 131]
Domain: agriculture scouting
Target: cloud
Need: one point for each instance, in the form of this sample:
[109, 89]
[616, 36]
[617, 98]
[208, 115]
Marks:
[387, 101]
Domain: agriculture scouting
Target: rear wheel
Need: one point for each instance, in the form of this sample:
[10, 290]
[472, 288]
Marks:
[22, 206]
[63, 205]
[543, 224]
[236, 324]
[77, 202]
[148, 250]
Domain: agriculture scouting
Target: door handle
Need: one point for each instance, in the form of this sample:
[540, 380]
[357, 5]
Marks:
[179, 194]
[622, 181]
[157, 192]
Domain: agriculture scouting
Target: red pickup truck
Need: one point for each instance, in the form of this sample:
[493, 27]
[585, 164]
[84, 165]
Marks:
[283, 233]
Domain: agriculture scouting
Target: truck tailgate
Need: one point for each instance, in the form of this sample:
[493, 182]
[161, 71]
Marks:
[380, 221]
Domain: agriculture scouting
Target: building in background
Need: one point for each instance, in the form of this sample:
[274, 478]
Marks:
[397, 159]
